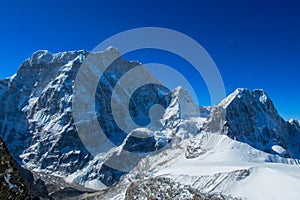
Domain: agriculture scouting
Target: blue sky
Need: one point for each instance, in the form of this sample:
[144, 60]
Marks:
[255, 44]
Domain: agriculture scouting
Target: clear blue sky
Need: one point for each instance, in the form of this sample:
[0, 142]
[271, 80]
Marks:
[255, 44]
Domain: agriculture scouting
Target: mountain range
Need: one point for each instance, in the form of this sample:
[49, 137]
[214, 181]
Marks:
[240, 148]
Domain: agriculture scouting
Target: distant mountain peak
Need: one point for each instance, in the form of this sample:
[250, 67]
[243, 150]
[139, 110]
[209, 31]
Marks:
[251, 117]
[245, 94]
[257, 98]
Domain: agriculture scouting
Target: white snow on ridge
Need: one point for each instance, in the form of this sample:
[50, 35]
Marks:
[222, 154]
[269, 183]
[279, 149]
[221, 158]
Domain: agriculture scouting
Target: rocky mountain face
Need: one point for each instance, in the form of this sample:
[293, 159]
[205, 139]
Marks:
[37, 122]
[251, 117]
[32, 103]
[36, 116]
[12, 184]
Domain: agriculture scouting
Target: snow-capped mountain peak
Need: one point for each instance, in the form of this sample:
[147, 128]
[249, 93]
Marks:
[244, 94]
[251, 117]
[37, 123]
[41, 57]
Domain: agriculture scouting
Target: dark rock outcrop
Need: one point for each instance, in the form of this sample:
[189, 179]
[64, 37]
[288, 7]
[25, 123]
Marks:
[12, 185]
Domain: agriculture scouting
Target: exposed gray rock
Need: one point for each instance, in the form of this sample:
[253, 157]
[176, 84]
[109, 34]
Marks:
[37, 123]
[165, 188]
[250, 117]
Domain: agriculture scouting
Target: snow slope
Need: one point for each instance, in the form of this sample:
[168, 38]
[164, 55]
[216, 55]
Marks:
[221, 167]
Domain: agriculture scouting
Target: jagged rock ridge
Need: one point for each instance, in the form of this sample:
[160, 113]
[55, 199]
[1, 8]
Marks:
[251, 117]
[37, 123]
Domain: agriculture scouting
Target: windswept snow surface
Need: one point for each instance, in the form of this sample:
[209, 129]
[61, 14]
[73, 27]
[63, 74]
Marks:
[231, 168]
